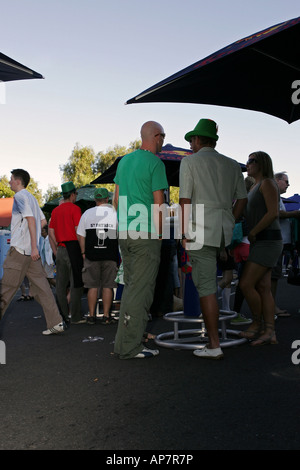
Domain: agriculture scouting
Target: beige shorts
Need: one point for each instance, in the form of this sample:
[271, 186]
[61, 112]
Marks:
[99, 273]
[204, 269]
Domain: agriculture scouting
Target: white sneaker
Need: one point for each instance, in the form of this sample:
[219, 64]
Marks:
[147, 353]
[207, 353]
[55, 329]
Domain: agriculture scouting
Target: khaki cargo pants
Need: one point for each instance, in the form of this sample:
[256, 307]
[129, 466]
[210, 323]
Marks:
[141, 260]
[16, 266]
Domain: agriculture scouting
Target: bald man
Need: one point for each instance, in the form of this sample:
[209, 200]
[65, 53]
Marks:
[140, 184]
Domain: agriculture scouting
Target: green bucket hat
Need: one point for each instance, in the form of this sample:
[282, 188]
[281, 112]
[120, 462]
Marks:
[206, 128]
[101, 193]
[67, 187]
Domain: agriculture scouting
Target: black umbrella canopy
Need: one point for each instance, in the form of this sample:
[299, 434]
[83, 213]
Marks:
[171, 157]
[11, 70]
[260, 72]
[108, 175]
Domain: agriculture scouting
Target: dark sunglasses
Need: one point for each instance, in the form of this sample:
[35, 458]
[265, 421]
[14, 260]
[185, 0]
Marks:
[251, 160]
[162, 135]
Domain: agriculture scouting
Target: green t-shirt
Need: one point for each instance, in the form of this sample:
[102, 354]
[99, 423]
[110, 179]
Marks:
[139, 174]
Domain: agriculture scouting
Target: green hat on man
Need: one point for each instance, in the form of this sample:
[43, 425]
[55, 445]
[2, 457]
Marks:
[205, 128]
[101, 193]
[67, 187]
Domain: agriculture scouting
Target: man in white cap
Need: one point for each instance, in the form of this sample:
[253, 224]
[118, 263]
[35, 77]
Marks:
[213, 180]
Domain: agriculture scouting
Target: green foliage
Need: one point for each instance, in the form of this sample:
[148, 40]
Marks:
[105, 159]
[134, 145]
[35, 191]
[79, 168]
[53, 192]
[5, 190]
[174, 195]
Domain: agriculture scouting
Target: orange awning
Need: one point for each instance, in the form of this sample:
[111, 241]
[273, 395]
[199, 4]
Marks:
[6, 204]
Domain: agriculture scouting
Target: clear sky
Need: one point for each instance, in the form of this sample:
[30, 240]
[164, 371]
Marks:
[96, 54]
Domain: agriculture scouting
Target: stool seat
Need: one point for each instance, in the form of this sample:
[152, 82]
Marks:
[197, 338]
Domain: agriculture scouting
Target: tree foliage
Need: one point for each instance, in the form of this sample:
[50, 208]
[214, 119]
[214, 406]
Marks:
[105, 159]
[35, 191]
[53, 192]
[79, 167]
[174, 195]
[5, 190]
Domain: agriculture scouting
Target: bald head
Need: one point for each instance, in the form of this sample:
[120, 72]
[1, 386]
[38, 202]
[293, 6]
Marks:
[152, 134]
[149, 129]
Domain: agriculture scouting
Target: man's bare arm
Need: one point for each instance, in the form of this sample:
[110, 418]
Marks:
[52, 240]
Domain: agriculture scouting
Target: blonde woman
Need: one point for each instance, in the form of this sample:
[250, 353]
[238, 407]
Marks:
[262, 215]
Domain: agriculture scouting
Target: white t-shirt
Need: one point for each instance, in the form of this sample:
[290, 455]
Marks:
[25, 205]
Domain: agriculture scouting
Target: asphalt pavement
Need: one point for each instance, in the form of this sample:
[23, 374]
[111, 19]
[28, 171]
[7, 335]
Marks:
[69, 392]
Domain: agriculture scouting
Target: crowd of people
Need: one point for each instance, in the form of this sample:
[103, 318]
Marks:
[86, 249]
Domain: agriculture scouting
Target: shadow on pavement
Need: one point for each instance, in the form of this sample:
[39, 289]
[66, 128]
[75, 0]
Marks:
[64, 392]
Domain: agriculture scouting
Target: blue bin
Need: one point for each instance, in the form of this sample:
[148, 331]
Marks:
[4, 247]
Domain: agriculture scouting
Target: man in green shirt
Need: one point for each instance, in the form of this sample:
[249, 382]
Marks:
[140, 184]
